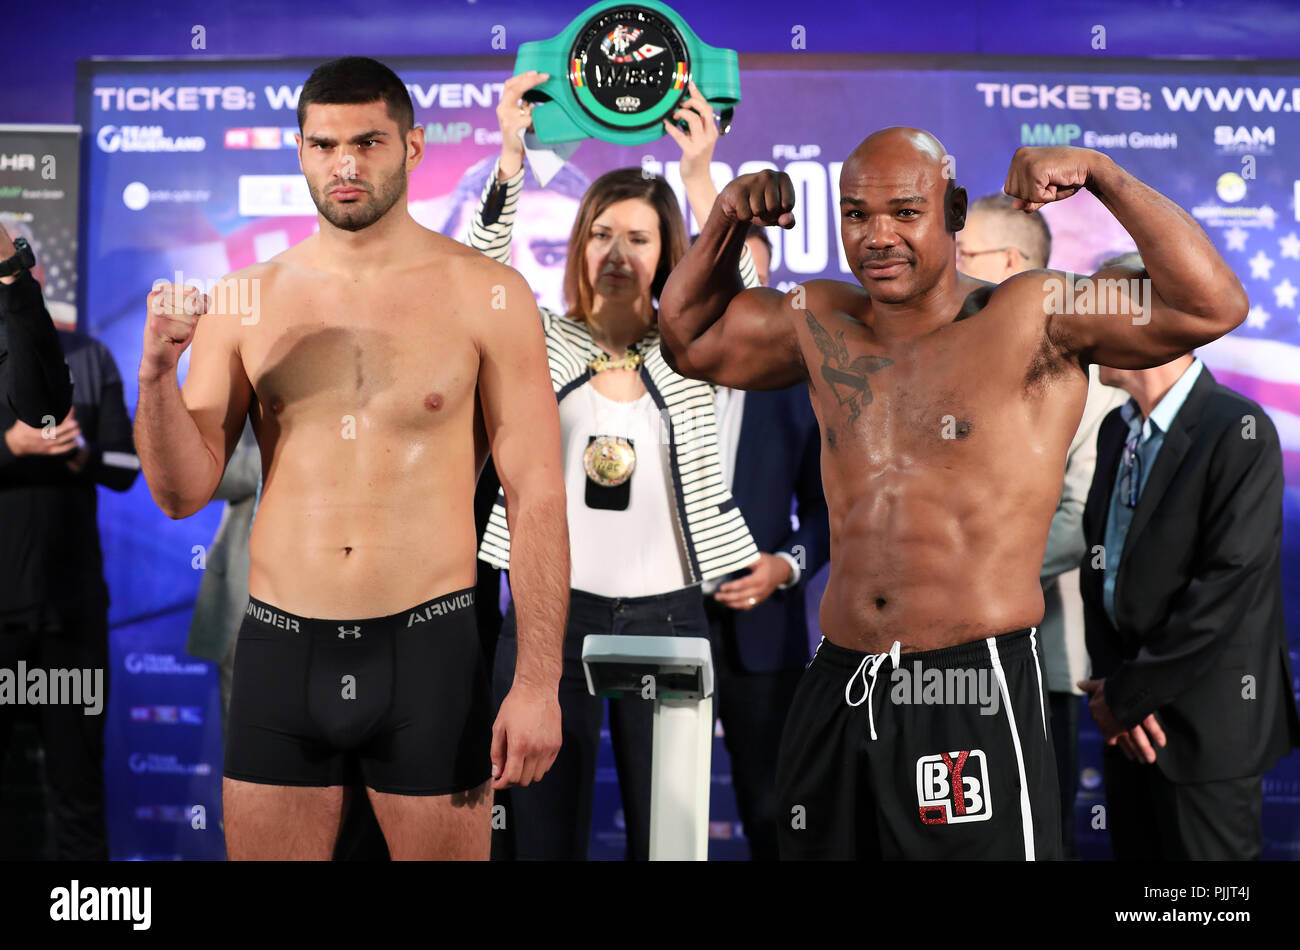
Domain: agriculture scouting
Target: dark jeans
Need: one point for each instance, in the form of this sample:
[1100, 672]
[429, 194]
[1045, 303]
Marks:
[551, 819]
[73, 741]
[1065, 738]
[752, 707]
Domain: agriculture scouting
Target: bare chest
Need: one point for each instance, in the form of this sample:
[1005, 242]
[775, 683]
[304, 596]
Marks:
[397, 359]
[957, 393]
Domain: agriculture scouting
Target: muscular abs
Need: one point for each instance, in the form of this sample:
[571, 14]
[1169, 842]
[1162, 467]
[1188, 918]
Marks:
[943, 458]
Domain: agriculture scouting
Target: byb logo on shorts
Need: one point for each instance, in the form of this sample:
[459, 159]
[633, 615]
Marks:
[953, 787]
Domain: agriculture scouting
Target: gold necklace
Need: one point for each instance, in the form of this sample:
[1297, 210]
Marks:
[631, 359]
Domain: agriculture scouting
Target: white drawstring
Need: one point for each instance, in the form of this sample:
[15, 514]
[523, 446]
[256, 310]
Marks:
[876, 659]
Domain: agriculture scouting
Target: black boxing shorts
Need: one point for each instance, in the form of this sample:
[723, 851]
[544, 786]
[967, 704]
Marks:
[402, 703]
[932, 755]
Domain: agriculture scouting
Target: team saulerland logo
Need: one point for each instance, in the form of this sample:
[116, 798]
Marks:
[630, 59]
[355, 632]
[953, 787]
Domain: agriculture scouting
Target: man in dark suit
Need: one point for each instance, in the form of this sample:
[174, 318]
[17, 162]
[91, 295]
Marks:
[770, 448]
[1182, 594]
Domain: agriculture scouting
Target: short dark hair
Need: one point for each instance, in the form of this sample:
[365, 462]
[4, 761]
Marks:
[1027, 228]
[353, 80]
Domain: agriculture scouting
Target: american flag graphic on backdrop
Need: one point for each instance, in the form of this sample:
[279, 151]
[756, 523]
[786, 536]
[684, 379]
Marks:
[1261, 358]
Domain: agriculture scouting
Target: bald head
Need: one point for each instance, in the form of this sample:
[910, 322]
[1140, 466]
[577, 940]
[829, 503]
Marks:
[900, 141]
[915, 152]
[899, 202]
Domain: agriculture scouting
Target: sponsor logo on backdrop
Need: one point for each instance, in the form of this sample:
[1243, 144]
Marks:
[20, 162]
[1242, 140]
[260, 137]
[177, 814]
[953, 787]
[146, 138]
[1230, 188]
[168, 715]
[452, 133]
[137, 196]
[1068, 133]
[272, 196]
[140, 762]
[164, 663]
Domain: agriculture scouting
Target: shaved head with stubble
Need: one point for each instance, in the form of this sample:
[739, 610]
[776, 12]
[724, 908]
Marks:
[899, 211]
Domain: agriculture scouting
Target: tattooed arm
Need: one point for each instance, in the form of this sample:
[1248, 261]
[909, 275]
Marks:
[712, 327]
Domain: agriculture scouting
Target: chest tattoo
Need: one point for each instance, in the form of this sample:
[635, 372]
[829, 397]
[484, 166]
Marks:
[846, 376]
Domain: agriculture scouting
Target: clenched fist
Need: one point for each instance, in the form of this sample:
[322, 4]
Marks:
[173, 313]
[765, 197]
[1041, 175]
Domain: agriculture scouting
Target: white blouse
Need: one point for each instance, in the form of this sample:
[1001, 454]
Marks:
[629, 553]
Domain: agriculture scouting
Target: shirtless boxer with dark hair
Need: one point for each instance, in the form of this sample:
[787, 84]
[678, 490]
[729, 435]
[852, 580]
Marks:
[375, 393]
[946, 406]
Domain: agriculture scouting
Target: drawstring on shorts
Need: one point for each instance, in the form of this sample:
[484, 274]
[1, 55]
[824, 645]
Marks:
[875, 659]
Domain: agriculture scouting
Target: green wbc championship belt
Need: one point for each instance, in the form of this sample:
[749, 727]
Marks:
[619, 70]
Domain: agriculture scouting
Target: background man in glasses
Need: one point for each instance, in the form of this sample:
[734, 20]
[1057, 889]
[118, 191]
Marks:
[998, 242]
[1182, 592]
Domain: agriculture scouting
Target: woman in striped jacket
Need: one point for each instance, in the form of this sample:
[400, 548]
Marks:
[650, 516]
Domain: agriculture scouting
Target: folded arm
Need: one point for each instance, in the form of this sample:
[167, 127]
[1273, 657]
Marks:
[1125, 317]
[712, 327]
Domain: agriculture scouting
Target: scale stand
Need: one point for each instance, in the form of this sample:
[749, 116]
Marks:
[676, 673]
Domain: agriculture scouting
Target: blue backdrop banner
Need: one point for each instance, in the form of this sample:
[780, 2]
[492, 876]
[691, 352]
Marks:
[191, 172]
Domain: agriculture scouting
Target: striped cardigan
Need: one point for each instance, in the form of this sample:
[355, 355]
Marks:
[709, 524]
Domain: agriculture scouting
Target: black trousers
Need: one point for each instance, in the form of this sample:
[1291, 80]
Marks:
[752, 707]
[551, 819]
[73, 741]
[1064, 709]
[1153, 819]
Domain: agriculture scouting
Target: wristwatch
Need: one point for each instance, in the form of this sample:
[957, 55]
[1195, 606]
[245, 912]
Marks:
[22, 259]
[620, 69]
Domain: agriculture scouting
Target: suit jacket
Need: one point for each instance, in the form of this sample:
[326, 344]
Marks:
[223, 591]
[1065, 656]
[1201, 640]
[778, 457]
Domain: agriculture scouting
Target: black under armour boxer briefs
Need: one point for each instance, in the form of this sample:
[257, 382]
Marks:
[402, 703]
[940, 780]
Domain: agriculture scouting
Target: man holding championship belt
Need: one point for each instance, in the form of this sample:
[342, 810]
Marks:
[946, 407]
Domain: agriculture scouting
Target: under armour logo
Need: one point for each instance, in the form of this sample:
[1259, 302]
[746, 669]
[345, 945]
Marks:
[345, 632]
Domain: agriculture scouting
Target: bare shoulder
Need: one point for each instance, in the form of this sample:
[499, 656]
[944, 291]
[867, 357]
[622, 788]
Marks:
[1023, 306]
[838, 295]
[828, 301]
[461, 267]
[1023, 300]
